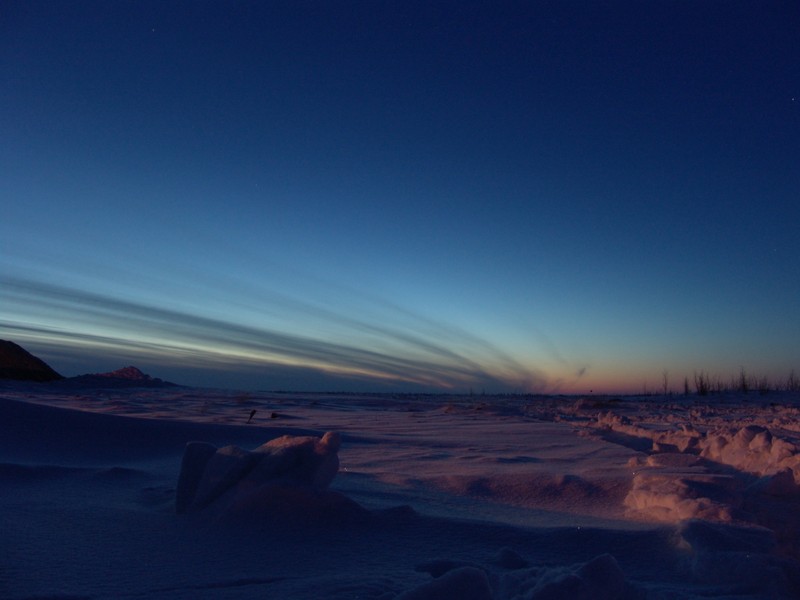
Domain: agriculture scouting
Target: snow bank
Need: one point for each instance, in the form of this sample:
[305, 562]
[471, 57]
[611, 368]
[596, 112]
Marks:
[719, 463]
[727, 462]
[752, 449]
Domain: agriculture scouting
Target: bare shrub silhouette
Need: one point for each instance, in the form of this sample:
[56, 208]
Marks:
[702, 383]
[792, 382]
[744, 384]
[706, 384]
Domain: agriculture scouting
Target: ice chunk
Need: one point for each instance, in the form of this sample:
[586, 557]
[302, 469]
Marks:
[224, 469]
[195, 458]
[208, 473]
[306, 460]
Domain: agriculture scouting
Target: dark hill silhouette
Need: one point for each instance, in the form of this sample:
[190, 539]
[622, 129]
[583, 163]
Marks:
[17, 363]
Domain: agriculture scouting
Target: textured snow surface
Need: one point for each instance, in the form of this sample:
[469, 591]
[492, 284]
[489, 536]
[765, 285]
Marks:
[186, 493]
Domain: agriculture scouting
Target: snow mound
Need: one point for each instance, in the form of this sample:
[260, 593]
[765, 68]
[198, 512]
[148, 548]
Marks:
[550, 490]
[289, 473]
[466, 583]
[669, 496]
[739, 558]
[599, 579]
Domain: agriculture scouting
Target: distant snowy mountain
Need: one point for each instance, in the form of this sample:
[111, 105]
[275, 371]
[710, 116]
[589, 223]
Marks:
[17, 363]
[128, 373]
[125, 377]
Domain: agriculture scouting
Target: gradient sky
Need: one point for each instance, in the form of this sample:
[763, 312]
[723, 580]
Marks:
[489, 196]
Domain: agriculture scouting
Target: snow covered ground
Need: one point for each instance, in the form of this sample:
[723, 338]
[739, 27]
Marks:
[439, 497]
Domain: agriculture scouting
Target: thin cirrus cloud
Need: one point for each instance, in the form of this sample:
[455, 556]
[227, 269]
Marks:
[386, 355]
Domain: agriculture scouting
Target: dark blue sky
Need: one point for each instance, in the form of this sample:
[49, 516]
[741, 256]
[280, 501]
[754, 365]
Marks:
[374, 195]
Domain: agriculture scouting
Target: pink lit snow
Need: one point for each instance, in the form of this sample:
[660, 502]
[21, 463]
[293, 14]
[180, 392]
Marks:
[172, 493]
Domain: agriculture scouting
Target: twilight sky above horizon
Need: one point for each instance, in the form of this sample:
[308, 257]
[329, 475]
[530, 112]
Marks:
[403, 196]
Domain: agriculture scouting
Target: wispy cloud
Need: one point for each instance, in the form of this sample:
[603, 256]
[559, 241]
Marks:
[426, 354]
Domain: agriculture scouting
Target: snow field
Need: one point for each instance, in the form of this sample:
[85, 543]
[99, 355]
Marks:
[408, 497]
